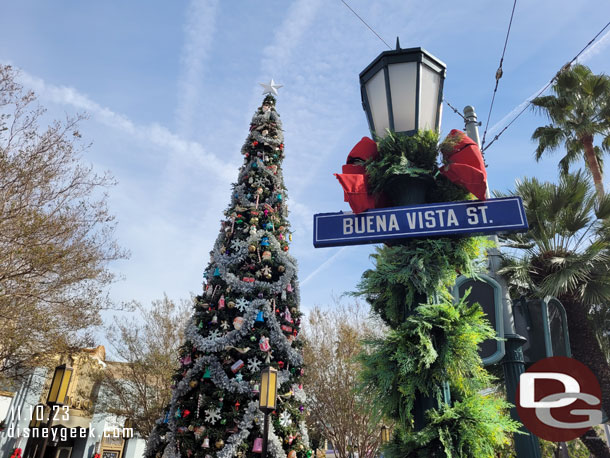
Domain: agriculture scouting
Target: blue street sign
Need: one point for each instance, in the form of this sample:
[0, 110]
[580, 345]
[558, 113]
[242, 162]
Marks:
[429, 220]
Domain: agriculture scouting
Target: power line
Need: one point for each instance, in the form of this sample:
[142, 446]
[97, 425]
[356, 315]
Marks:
[499, 73]
[455, 110]
[364, 22]
[565, 67]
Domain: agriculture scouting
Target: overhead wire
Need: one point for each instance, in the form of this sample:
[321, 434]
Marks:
[364, 22]
[563, 68]
[389, 47]
[499, 73]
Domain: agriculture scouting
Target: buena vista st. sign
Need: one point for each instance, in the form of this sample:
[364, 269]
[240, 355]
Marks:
[440, 219]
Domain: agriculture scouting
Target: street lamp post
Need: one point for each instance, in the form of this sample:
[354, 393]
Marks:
[56, 397]
[267, 400]
[402, 90]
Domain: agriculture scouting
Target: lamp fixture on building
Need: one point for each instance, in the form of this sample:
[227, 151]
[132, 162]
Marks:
[402, 90]
[59, 386]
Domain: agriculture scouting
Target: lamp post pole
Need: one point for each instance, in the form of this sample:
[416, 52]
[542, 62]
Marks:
[265, 435]
[513, 364]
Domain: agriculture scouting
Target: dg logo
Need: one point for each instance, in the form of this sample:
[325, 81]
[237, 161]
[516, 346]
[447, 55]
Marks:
[559, 399]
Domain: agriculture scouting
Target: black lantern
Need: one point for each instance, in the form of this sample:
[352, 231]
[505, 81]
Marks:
[402, 90]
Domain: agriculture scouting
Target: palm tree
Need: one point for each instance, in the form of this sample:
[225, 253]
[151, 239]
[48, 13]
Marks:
[566, 254]
[579, 111]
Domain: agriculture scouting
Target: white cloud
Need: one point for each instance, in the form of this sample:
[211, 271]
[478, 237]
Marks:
[153, 133]
[198, 32]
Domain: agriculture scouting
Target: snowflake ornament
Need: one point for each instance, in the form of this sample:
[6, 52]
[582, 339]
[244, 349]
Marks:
[236, 244]
[241, 304]
[285, 420]
[254, 365]
[239, 377]
[215, 334]
[212, 415]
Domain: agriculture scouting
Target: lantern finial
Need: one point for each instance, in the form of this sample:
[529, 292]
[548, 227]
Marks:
[397, 44]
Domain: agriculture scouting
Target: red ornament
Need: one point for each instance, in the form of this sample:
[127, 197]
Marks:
[186, 413]
[280, 364]
[254, 143]
[237, 404]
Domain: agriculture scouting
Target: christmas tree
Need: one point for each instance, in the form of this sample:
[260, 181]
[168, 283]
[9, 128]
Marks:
[246, 319]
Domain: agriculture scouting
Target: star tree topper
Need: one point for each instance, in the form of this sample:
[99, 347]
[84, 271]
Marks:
[271, 88]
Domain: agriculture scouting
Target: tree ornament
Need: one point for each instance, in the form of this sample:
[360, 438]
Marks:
[292, 454]
[206, 442]
[212, 415]
[220, 444]
[258, 445]
[207, 373]
[241, 304]
[224, 325]
[254, 364]
[285, 421]
[260, 317]
[193, 383]
[231, 304]
[237, 366]
[263, 344]
[281, 269]
[238, 322]
[221, 302]
[266, 255]
[252, 248]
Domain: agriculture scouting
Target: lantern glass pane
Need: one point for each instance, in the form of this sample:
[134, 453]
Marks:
[557, 329]
[55, 385]
[430, 87]
[403, 86]
[65, 383]
[378, 103]
[263, 400]
[272, 389]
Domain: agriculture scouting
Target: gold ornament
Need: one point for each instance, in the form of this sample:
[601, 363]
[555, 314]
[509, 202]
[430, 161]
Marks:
[231, 304]
[193, 383]
[293, 310]
[252, 248]
[268, 276]
[254, 220]
[220, 444]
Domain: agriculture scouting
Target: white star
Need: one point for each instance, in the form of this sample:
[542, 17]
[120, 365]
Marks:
[271, 88]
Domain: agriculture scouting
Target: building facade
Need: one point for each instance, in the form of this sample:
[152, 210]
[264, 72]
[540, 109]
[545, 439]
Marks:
[78, 429]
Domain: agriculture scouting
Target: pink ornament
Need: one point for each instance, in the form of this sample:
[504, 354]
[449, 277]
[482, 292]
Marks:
[258, 445]
[263, 344]
[237, 366]
[221, 302]
[289, 287]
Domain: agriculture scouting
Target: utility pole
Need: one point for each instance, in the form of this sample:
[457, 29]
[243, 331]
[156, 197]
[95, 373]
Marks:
[526, 445]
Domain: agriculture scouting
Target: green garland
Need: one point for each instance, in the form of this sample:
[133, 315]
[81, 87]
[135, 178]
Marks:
[432, 340]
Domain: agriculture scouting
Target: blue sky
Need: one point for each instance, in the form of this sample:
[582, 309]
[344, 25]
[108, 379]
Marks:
[170, 88]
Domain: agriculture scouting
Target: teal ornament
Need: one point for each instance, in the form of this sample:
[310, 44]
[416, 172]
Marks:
[239, 377]
[265, 241]
[279, 197]
[200, 326]
[207, 373]
[269, 226]
[249, 196]
[205, 275]
[260, 318]
[178, 414]
[217, 272]
[255, 165]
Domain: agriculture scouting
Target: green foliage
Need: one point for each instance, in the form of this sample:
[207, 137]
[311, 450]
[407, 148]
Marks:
[402, 155]
[406, 274]
[431, 340]
[473, 427]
